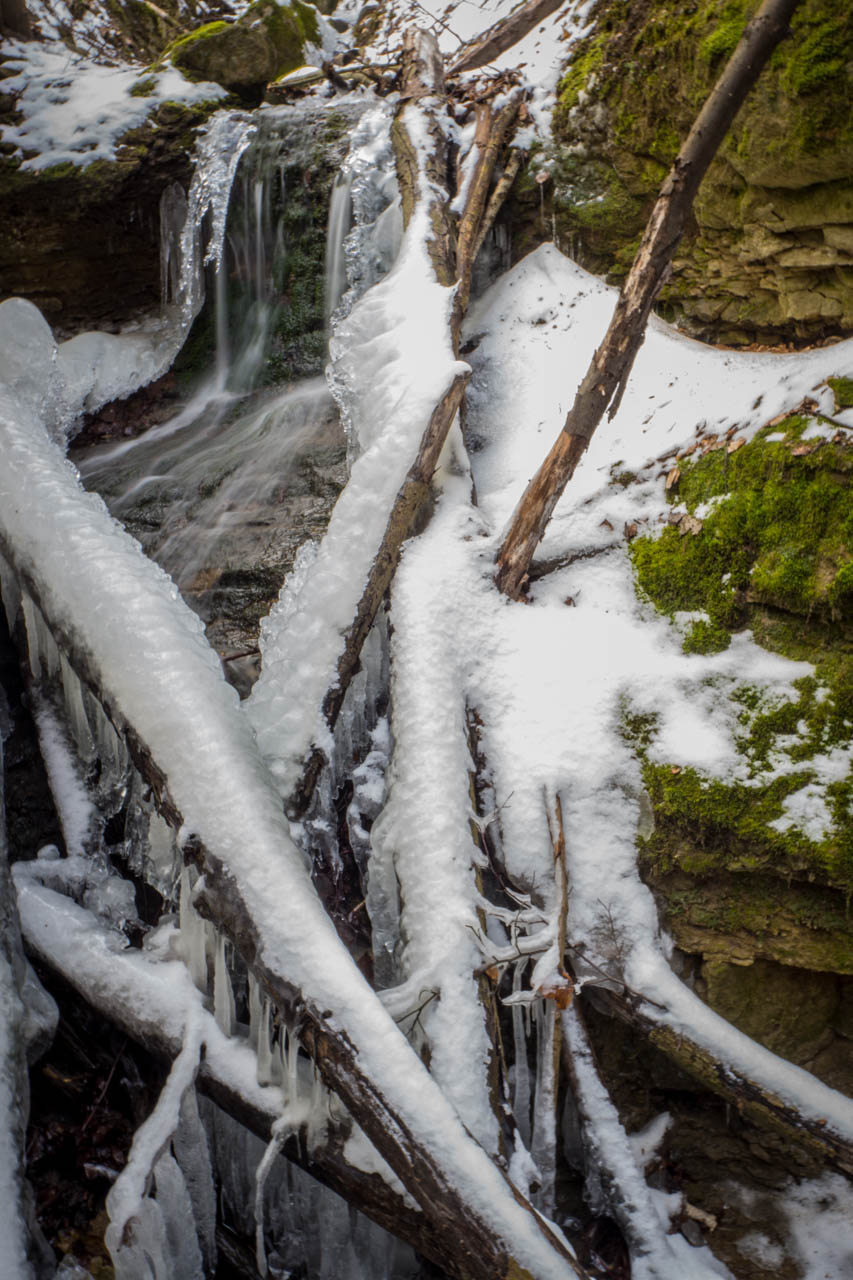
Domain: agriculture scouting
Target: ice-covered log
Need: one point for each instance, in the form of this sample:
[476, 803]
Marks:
[149, 995]
[615, 1181]
[395, 360]
[128, 634]
[767, 1089]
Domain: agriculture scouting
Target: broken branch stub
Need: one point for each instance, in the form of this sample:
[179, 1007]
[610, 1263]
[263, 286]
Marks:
[604, 382]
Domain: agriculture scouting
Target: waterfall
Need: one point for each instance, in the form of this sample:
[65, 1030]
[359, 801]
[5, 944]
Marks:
[205, 489]
[340, 220]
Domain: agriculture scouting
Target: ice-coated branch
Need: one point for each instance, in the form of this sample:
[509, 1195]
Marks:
[144, 655]
[389, 494]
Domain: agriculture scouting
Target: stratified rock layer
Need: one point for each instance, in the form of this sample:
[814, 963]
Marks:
[770, 257]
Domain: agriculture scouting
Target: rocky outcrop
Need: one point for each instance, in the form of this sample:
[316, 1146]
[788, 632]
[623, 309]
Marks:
[770, 257]
[266, 42]
[758, 904]
[83, 244]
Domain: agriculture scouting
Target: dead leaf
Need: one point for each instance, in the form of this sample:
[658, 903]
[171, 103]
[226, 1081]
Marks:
[492, 973]
[800, 450]
[734, 445]
[676, 768]
[561, 995]
[690, 524]
[605, 524]
[673, 477]
[630, 530]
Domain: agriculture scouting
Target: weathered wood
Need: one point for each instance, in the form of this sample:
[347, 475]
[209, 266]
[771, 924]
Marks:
[503, 35]
[367, 1192]
[604, 382]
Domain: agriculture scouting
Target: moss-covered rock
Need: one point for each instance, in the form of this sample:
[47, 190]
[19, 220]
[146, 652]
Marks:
[266, 42]
[770, 255]
[773, 551]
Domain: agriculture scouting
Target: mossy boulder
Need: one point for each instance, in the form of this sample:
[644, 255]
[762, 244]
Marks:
[266, 42]
[769, 256]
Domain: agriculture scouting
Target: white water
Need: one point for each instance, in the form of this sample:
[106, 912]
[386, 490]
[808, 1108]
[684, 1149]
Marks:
[209, 484]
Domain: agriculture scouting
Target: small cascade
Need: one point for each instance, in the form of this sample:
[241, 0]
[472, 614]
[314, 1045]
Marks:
[340, 221]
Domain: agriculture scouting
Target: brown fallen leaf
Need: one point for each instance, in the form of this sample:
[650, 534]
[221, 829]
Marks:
[800, 450]
[673, 477]
[630, 530]
[734, 445]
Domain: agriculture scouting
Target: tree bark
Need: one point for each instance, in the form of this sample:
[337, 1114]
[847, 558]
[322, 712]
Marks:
[750, 1098]
[95, 982]
[604, 382]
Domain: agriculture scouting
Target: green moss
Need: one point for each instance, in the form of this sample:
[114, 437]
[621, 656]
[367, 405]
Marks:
[774, 553]
[817, 55]
[627, 99]
[705, 825]
[842, 389]
[781, 533]
[721, 42]
[585, 63]
[706, 637]
[200, 33]
[143, 88]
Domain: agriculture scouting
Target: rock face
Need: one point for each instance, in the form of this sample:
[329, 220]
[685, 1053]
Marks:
[770, 257]
[267, 41]
[758, 906]
[83, 244]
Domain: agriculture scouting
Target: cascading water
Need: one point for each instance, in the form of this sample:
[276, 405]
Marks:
[220, 486]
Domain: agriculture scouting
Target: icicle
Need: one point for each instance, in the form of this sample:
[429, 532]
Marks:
[30, 612]
[193, 1156]
[269, 1063]
[75, 709]
[223, 995]
[521, 1081]
[193, 934]
[162, 857]
[138, 1233]
[280, 1130]
[10, 593]
[256, 1011]
[543, 1146]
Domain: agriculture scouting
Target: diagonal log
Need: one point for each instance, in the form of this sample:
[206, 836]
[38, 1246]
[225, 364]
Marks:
[482, 1227]
[503, 34]
[603, 384]
[753, 1099]
[127, 990]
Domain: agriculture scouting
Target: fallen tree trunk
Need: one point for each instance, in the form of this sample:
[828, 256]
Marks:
[604, 382]
[128, 991]
[503, 35]
[452, 249]
[482, 1227]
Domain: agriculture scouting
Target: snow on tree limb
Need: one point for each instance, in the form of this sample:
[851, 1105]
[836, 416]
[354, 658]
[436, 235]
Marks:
[137, 639]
